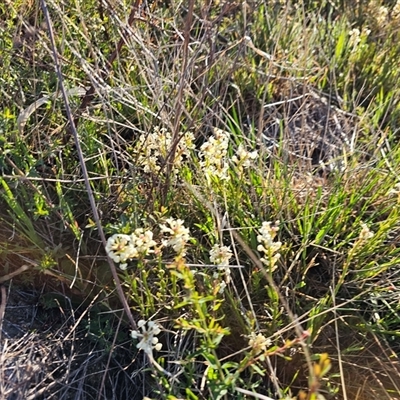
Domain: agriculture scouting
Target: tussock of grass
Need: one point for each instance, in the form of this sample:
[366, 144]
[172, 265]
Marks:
[194, 127]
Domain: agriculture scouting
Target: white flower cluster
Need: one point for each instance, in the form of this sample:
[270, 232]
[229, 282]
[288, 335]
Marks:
[365, 233]
[117, 248]
[213, 155]
[396, 10]
[381, 15]
[258, 343]
[149, 341]
[121, 247]
[355, 37]
[177, 235]
[267, 244]
[154, 148]
[244, 158]
[220, 256]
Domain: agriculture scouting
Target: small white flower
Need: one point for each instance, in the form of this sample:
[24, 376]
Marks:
[178, 235]
[244, 158]
[154, 148]
[396, 10]
[149, 341]
[354, 37]
[220, 255]
[267, 234]
[123, 266]
[258, 342]
[119, 248]
[365, 233]
[222, 287]
[143, 241]
[267, 244]
[381, 15]
[213, 155]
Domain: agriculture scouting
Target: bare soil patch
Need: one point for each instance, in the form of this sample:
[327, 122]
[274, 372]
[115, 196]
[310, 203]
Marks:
[47, 353]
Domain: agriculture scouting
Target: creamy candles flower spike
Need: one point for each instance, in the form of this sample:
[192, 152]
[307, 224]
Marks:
[222, 287]
[121, 248]
[220, 255]
[143, 241]
[244, 158]
[149, 341]
[381, 15]
[354, 37]
[267, 244]
[365, 234]
[148, 337]
[396, 10]
[177, 235]
[213, 155]
[258, 343]
[153, 149]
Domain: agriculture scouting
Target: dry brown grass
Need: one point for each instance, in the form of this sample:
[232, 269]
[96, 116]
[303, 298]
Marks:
[45, 353]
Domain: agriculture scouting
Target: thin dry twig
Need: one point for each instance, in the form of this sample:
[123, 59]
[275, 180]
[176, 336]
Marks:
[11, 275]
[3, 302]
